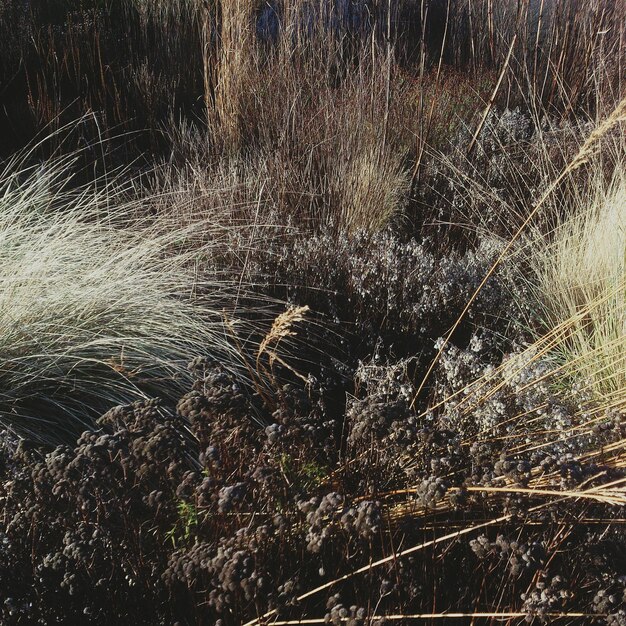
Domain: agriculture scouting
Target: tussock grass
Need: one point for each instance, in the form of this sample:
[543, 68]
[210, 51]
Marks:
[583, 270]
[316, 155]
[96, 308]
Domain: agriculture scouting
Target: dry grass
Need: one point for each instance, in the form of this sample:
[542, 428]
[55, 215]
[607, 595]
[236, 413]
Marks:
[584, 270]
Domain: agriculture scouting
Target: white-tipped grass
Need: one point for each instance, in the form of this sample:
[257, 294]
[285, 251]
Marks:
[96, 308]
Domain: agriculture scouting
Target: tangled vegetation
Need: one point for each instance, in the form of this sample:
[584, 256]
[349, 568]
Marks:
[316, 315]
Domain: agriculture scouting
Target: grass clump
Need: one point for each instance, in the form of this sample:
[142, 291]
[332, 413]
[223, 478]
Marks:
[582, 278]
[96, 309]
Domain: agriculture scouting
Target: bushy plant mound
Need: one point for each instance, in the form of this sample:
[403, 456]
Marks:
[202, 515]
[389, 293]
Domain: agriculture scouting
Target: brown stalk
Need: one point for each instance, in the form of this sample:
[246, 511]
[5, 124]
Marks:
[387, 78]
[413, 549]
[490, 28]
[430, 616]
[424, 132]
[492, 99]
[536, 50]
[471, 36]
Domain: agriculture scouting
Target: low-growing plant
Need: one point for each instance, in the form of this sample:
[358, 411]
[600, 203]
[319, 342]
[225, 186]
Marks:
[186, 524]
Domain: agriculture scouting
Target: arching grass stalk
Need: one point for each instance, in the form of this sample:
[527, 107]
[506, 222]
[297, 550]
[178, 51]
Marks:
[96, 308]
